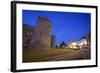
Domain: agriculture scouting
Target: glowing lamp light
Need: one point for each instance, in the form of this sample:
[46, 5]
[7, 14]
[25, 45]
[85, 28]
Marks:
[81, 43]
[74, 44]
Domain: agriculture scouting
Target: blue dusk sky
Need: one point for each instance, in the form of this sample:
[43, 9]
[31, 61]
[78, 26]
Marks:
[66, 26]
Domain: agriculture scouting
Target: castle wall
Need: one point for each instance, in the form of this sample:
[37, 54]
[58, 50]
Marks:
[27, 34]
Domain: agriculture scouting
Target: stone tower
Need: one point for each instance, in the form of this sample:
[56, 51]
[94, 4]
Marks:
[41, 36]
[53, 41]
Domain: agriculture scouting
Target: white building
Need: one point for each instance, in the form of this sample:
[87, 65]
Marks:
[77, 44]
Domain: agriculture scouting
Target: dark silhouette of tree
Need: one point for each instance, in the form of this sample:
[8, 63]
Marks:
[62, 44]
[56, 46]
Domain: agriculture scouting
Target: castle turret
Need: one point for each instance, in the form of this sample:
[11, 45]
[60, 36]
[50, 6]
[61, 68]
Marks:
[41, 38]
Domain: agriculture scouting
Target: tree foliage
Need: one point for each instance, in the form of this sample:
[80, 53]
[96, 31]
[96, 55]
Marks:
[62, 44]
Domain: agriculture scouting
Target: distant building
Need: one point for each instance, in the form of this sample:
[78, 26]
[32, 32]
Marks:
[78, 44]
[27, 34]
[83, 45]
[86, 50]
[88, 38]
[40, 35]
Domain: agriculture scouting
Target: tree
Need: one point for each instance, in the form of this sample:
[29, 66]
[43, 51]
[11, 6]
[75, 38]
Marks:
[62, 44]
[56, 46]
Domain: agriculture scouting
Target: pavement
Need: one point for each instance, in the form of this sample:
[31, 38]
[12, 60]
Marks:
[74, 55]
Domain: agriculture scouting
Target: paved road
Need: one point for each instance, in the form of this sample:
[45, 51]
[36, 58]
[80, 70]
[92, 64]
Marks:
[73, 55]
[83, 53]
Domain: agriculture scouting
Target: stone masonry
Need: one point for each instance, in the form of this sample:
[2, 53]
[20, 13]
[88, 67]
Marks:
[41, 35]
